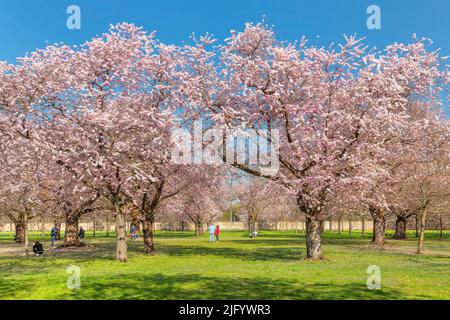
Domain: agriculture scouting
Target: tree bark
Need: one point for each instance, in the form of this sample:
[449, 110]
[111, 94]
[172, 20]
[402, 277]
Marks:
[136, 223]
[254, 226]
[58, 231]
[363, 227]
[20, 231]
[423, 220]
[107, 225]
[400, 228]
[417, 225]
[71, 238]
[379, 228]
[339, 225]
[148, 235]
[198, 228]
[121, 246]
[313, 239]
[25, 219]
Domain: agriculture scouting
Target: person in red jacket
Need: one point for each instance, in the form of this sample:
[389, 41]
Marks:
[217, 232]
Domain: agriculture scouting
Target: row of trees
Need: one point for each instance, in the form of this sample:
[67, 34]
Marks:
[89, 128]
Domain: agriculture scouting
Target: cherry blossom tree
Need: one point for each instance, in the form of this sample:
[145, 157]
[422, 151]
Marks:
[338, 111]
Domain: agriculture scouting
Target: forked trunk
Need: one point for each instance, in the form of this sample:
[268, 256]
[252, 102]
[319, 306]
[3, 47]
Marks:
[400, 228]
[121, 245]
[313, 239]
[147, 229]
[71, 238]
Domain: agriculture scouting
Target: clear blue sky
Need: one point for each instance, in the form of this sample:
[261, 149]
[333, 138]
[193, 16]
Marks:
[26, 25]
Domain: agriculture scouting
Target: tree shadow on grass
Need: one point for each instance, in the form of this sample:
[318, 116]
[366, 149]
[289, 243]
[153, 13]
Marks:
[9, 287]
[271, 242]
[195, 286]
[258, 254]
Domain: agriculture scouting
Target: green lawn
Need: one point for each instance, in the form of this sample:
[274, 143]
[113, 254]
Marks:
[189, 267]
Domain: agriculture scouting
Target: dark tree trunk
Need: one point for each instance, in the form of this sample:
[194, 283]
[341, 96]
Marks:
[363, 227]
[148, 235]
[417, 225]
[107, 225]
[71, 238]
[313, 239]
[339, 225]
[121, 245]
[441, 227]
[423, 220]
[198, 228]
[20, 231]
[322, 226]
[58, 231]
[379, 231]
[254, 226]
[400, 228]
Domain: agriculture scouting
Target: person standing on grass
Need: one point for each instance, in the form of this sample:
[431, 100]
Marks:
[53, 235]
[81, 234]
[212, 231]
[216, 232]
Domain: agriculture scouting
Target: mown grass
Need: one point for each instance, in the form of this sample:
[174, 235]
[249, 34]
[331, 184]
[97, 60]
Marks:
[189, 267]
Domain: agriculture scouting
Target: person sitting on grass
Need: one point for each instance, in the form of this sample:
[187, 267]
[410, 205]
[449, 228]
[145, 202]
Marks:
[254, 234]
[38, 249]
[81, 234]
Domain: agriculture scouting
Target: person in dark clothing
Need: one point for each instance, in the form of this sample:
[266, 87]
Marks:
[38, 249]
[81, 233]
[53, 235]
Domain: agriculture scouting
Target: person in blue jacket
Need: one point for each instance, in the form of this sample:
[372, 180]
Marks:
[211, 230]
